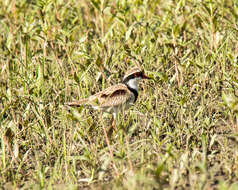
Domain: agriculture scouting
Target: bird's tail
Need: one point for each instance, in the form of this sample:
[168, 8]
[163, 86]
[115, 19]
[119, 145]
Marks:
[77, 103]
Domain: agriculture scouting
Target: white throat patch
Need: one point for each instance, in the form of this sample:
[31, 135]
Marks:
[133, 83]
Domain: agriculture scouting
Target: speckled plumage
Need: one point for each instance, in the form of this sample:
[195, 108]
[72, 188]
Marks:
[109, 100]
[119, 96]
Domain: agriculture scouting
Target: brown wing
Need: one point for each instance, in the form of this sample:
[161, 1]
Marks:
[77, 103]
[112, 96]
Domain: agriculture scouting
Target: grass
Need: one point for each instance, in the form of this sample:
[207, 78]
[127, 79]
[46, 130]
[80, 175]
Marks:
[182, 132]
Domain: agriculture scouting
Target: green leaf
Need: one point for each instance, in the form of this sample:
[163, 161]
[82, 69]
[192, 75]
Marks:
[96, 4]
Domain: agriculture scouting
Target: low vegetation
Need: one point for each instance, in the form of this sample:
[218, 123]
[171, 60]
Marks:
[182, 131]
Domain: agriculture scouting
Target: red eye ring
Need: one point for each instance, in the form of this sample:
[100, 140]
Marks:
[137, 74]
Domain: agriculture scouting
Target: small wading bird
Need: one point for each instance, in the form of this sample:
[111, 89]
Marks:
[117, 97]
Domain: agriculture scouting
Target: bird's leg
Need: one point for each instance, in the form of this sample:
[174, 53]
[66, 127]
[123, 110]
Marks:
[114, 117]
[113, 126]
[109, 146]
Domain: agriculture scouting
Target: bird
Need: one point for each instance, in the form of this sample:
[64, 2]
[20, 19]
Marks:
[118, 97]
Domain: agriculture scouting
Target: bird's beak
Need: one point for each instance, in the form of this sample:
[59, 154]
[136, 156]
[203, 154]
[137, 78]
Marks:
[146, 77]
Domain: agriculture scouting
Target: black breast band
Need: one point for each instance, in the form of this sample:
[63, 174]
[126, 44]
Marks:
[134, 91]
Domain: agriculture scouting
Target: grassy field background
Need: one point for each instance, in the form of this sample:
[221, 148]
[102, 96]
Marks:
[182, 132]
